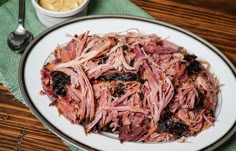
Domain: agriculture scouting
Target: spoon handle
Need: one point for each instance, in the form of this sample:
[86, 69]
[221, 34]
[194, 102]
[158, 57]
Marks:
[21, 12]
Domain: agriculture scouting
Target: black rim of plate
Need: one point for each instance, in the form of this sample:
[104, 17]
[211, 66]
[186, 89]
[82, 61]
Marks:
[59, 133]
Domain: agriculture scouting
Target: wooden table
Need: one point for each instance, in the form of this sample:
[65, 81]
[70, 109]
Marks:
[214, 20]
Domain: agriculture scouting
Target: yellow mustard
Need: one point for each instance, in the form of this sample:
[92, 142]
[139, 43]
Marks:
[59, 5]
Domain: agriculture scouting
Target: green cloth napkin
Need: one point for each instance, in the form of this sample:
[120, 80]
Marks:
[9, 60]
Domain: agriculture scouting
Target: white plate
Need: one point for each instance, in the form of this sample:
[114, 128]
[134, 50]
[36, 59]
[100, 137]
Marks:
[37, 52]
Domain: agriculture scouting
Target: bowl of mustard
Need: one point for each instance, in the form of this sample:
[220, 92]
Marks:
[51, 12]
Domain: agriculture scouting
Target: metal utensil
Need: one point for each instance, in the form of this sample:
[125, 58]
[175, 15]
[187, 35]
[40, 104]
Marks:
[19, 39]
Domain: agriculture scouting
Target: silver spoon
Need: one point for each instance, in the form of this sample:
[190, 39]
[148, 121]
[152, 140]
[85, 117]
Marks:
[19, 39]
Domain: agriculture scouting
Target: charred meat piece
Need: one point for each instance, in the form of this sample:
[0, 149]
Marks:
[141, 95]
[165, 116]
[128, 76]
[166, 124]
[125, 47]
[178, 129]
[60, 79]
[171, 126]
[199, 101]
[193, 66]
[190, 57]
[118, 90]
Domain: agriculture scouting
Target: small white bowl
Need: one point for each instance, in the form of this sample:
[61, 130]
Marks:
[50, 18]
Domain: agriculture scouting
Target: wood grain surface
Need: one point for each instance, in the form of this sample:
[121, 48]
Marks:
[214, 20]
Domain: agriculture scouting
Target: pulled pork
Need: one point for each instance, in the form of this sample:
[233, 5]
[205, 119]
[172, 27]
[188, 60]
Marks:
[138, 86]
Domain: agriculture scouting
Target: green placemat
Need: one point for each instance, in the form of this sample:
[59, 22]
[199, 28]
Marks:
[9, 60]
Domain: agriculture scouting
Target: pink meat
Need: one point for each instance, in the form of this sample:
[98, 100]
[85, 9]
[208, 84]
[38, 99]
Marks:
[136, 85]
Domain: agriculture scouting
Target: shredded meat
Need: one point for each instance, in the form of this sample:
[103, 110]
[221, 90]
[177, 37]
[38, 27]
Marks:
[138, 86]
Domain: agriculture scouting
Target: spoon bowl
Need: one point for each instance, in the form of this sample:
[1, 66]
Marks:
[19, 39]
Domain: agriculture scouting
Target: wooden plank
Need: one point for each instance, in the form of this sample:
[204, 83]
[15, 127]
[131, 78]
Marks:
[29, 141]
[15, 117]
[226, 6]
